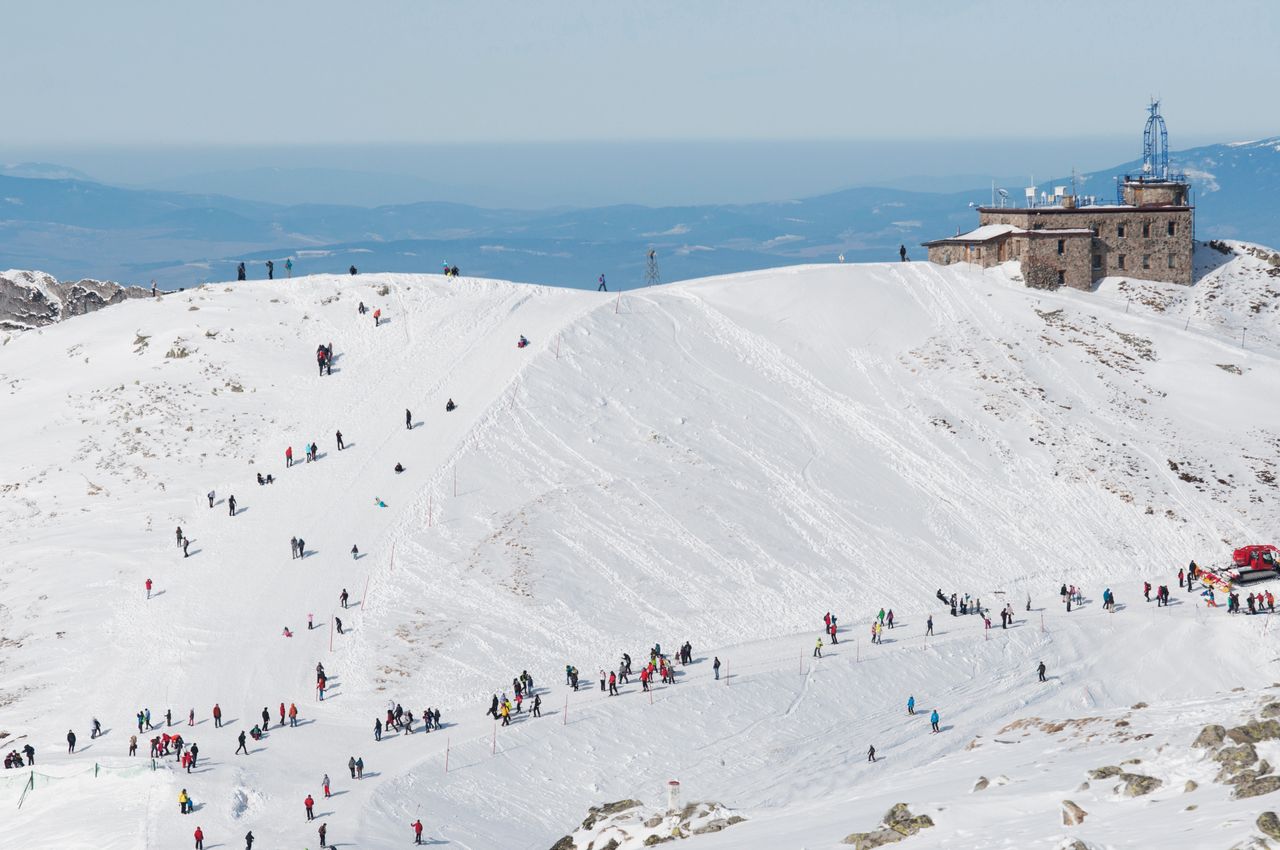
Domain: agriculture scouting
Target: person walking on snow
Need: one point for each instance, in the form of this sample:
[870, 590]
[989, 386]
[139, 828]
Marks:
[408, 419]
[911, 704]
[929, 625]
[613, 684]
[179, 537]
[715, 666]
[902, 253]
[148, 588]
[342, 597]
[933, 720]
[308, 803]
[242, 747]
[355, 556]
[211, 497]
[871, 753]
[288, 457]
[71, 741]
[325, 782]
[185, 544]
[293, 547]
[217, 716]
[200, 832]
[340, 444]
[602, 287]
[817, 650]
[1041, 670]
[248, 840]
[417, 831]
[231, 505]
[323, 832]
[377, 317]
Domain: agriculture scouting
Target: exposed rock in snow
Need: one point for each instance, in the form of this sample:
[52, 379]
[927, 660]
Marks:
[34, 299]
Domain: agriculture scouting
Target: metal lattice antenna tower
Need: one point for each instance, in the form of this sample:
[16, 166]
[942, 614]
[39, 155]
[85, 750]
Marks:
[651, 275]
[1155, 145]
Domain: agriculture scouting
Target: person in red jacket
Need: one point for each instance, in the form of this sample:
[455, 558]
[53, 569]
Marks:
[217, 716]
[288, 456]
[417, 831]
[148, 588]
[199, 838]
[281, 714]
[309, 803]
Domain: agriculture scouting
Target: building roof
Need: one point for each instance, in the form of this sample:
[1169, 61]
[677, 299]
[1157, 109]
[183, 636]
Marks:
[1101, 209]
[991, 232]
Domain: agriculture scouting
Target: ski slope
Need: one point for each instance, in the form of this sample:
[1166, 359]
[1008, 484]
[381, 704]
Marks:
[720, 461]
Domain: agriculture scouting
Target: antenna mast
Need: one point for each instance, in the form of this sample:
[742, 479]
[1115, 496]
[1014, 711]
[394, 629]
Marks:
[651, 275]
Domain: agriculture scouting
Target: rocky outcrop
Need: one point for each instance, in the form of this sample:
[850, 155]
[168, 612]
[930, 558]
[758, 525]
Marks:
[1255, 731]
[34, 299]
[1072, 815]
[1269, 825]
[897, 825]
[1210, 736]
[1137, 785]
[1255, 787]
[629, 825]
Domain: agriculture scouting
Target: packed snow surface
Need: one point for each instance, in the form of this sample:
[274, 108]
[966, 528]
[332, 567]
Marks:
[719, 461]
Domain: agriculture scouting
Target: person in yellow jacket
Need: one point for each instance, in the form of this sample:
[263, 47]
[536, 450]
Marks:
[184, 802]
[505, 711]
[817, 650]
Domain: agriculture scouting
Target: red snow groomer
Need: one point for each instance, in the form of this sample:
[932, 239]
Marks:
[1254, 563]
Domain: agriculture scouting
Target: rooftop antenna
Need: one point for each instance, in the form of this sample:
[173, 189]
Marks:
[1155, 144]
[651, 275]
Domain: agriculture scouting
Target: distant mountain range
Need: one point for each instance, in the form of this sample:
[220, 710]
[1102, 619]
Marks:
[57, 220]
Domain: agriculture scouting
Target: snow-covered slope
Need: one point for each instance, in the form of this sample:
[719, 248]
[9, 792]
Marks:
[720, 461]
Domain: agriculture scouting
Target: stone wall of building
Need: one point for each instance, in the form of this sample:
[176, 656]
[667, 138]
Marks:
[1130, 242]
[1049, 261]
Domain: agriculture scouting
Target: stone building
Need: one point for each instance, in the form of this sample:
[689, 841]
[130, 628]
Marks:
[1148, 235]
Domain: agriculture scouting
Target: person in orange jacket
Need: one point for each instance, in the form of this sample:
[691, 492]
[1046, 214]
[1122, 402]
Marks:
[293, 714]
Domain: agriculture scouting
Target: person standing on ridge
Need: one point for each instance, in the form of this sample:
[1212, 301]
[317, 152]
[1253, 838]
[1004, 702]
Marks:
[240, 271]
[902, 253]
[288, 267]
[602, 287]
[417, 831]
[408, 419]
[231, 505]
[271, 270]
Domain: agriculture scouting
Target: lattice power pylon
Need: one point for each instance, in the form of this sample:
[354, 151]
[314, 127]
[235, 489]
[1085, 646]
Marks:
[651, 275]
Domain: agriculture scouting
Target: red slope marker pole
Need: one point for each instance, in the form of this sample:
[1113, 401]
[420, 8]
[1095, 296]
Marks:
[363, 597]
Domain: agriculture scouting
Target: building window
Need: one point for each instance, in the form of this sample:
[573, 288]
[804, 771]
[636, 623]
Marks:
[1120, 232]
[1062, 277]
[1097, 261]
[1146, 261]
[1146, 229]
[1062, 246]
[1120, 261]
[1173, 261]
[1173, 228]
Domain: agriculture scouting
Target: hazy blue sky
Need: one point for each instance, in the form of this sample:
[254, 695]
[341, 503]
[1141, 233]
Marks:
[84, 73]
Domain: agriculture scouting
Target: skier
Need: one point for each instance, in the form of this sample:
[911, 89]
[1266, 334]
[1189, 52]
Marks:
[217, 716]
[271, 270]
[1041, 670]
[911, 704]
[310, 626]
[148, 588]
[71, 741]
[602, 287]
[308, 803]
[408, 419]
[211, 497]
[340, 443]
[191, 717]
[417, 831]
[933, 720]
[231, 505]
[293, 714]
[716, 667]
